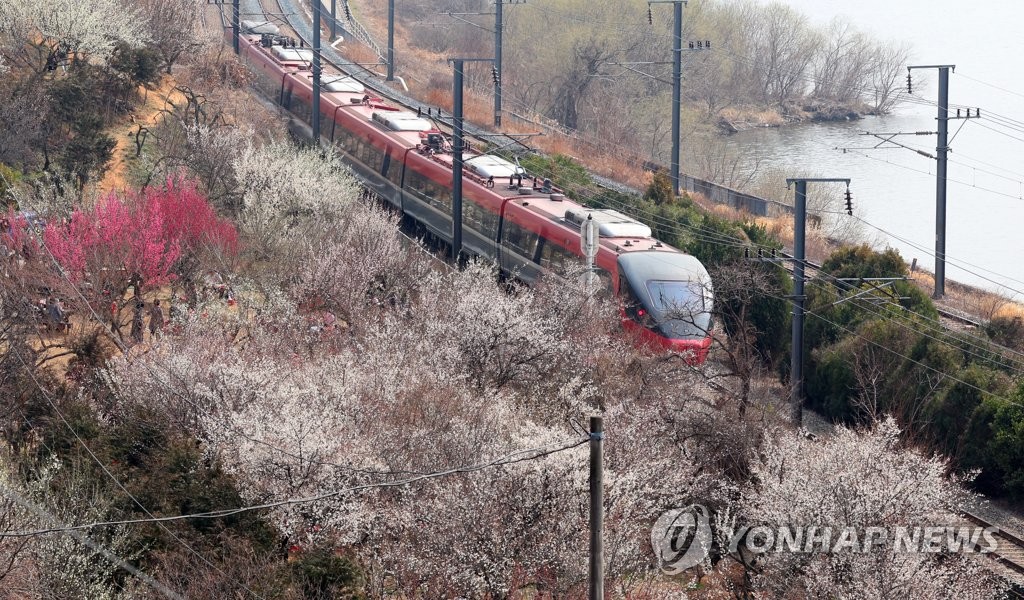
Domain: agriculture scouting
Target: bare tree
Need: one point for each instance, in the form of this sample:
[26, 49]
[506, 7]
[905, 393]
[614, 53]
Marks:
[569, 89]
[174, 27]
[888, 63]
[843, 64]
[782, 49]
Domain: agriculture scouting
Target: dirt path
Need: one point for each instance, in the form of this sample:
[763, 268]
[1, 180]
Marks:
[146, 115]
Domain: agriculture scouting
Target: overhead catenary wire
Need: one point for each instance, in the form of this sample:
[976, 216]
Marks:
[953, 261]
[974, 346]
[914, 99]
[985, 83]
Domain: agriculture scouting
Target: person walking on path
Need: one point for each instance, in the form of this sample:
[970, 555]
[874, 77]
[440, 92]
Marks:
[137, 330]
[156, 318]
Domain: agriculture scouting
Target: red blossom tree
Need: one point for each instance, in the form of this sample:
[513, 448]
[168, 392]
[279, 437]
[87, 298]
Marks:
[150, 238]
[116, 243]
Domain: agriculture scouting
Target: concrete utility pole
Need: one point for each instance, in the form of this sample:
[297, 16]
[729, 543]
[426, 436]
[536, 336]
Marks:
[334, 20]
[234, 25]
[596, 509]
[677, 85]
[941, 149]
[457, 137]
[498, 26]
[796, 370]
[391, 41]
[316, 72]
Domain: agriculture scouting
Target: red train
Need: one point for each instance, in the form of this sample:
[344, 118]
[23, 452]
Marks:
[527, 227]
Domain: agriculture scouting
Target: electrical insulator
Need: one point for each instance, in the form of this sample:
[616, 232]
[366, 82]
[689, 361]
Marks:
[691, 45]
[650, 15]
[707, 43]
[910, 84]
[746, 253]
[700, 44]
[849, 202]
[968, 113]
[348, 12]
[494, 75]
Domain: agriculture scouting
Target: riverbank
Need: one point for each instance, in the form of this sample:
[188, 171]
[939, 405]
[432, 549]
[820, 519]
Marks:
[736, 119]
[977, 303]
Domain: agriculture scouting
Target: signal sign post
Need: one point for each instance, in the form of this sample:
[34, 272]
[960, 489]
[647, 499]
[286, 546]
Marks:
[590, 241]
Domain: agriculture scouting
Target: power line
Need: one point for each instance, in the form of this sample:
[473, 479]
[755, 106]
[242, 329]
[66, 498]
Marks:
[991, 85]
[968, 184]
[507, 459]
[952, 261]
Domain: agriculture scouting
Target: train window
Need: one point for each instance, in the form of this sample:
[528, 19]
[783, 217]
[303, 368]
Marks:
[414, 183]
[266, 84]
[351, 144]
[520, 239]
[367, 153]
[556, 258]
[444, 198]
[676, 296]
[394, 172]
[479, 218]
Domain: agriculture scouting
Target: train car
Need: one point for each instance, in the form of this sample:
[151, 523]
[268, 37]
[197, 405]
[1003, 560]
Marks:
[525, 225]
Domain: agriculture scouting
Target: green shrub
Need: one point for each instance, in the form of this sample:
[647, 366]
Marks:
[325, 575]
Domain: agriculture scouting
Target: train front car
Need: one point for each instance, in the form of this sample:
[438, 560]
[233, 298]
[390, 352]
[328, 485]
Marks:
[667, 300]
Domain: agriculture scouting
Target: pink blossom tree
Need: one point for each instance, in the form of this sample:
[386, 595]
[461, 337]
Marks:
[143, 239]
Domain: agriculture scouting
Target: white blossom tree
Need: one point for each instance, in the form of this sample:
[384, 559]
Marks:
[284, 185]
[38, 33]
[860, 480]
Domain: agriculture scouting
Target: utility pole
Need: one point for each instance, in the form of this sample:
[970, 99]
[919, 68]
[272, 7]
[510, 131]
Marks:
[596, 509]
[316, 72]
[457, 136]
[677, 85]
[334, 20]
[234, 25]
[498, 25]
[796, 371]
[391, 41]
[941, 149]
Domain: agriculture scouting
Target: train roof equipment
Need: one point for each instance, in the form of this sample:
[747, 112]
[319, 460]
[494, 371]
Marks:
[342, 83]
[402, 121]
[611, 223]
[487, 165]
[259, 27]
[292, 55]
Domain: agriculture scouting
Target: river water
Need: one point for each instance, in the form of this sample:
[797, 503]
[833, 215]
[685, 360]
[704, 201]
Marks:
[894, 189]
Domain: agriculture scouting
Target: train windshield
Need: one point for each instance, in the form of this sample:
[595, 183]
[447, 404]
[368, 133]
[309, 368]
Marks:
[668, 292]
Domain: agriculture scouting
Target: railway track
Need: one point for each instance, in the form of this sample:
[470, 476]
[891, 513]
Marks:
[288, 9]
[1008, 555]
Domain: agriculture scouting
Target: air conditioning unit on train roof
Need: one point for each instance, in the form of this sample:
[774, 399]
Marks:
[342, 83]
[401, 120]
[486, 165]
[302, 55]
[611, 223]
[259, 27]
